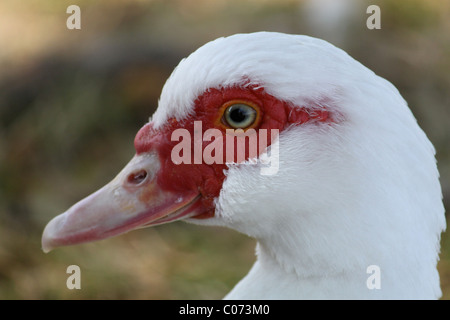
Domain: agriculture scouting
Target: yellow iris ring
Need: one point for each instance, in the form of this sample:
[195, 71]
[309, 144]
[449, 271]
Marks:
[222, 122]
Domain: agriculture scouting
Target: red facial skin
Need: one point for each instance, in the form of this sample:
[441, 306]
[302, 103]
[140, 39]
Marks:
[207, 179]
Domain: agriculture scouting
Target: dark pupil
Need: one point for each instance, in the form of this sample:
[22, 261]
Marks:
[238, 114]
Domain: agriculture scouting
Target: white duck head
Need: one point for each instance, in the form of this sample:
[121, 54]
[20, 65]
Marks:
[354, 187]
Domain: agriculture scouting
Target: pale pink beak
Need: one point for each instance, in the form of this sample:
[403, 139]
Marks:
[132, 200]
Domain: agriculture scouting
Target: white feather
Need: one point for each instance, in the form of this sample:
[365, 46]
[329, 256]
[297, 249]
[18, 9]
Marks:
[362, 191]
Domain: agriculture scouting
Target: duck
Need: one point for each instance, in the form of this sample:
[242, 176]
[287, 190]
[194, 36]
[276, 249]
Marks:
[291, 141]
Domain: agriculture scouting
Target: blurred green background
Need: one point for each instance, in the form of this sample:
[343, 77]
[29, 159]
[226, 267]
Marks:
[71, 102]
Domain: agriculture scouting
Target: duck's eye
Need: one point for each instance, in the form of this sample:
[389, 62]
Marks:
[240, 116]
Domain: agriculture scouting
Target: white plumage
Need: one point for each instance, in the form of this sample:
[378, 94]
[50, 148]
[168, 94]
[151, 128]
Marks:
[363, 191]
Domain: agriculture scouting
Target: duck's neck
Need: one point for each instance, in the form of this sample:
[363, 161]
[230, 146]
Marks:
[270, 278]
[343, 264]
[338, 223]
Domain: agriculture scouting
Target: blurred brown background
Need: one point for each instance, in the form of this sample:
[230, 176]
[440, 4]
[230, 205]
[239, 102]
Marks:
[71, 102]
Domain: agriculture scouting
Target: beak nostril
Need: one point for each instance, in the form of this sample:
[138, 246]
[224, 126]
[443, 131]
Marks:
[138, 177]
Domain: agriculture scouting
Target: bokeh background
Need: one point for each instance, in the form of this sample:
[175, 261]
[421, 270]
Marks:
[71, 102]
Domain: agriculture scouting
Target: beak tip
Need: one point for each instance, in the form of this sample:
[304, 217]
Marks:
[46, 249]
[48, 241]
[46, 244]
